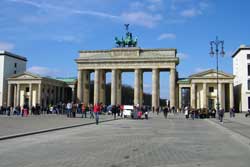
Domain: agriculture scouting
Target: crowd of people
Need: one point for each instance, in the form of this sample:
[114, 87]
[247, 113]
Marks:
[71, 109]
[92, 111]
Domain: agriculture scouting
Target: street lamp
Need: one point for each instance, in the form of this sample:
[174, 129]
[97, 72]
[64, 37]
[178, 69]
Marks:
[216, 44]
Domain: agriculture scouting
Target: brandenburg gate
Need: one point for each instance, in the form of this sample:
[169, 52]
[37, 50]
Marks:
[126, 57]
[120, 60]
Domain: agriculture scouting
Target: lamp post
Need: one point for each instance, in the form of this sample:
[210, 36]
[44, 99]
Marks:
[217, 43]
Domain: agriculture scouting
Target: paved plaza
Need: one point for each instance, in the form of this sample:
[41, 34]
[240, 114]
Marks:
[19, 125]
[157, 142]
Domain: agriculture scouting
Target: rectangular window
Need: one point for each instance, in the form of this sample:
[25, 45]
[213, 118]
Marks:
[27, 89]
[15, 72]
[248, 56]
[211, 89]
[248, 84]
[248, 102]
[248, 69]
[15, 65]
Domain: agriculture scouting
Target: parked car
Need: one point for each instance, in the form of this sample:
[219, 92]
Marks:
[127, 111]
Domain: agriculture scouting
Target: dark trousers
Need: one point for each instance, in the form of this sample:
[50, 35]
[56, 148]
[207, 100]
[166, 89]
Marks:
[96, 118]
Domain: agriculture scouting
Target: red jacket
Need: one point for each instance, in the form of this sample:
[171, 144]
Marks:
[97, 108]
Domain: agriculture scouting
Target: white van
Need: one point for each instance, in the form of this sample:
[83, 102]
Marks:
[127, 111]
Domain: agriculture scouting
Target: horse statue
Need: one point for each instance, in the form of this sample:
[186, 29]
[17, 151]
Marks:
[119, 43]
[128, 41]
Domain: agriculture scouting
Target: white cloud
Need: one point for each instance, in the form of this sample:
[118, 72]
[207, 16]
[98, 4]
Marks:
[65, 9]
[141, 18]
[182, 56]
[6, 46]
[167, 36]
[43, 71]
[190, 12]
[189, 8]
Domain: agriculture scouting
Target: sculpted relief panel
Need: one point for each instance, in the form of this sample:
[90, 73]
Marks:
[128, 58]
[127, 65]
[129, 53]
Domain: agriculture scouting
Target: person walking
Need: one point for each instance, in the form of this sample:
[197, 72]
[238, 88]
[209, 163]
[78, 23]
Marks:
[165, 112]
[97, 109]
[221, 115]
[232, 112]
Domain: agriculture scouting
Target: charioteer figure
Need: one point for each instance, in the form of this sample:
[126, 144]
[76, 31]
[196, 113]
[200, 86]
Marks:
[128, 41]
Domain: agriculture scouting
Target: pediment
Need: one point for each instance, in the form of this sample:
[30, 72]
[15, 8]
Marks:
[25, 75]
[211, 74]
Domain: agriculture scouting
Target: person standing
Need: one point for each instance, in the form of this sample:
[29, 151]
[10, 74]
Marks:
[8, 110]
[114, 111]
[186, 112]
[91, 111]
[69, 108]
[232, 112]
[84, 112]
[74, 110]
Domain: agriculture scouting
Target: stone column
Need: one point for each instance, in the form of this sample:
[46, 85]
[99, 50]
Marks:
[231, 95]
[193, 95]
[18, 95]
[172, 83]
[80, 86]
[220, 95]
[102, 86]
[39, 94]
[113, 87]
[204, 95]
[97, 86]
[86, 81]
[15, 96]
[141, 88]
[119, 87]
[180, 97]
[31, 95]
[155, 88]
[137, 84]
[9, 95]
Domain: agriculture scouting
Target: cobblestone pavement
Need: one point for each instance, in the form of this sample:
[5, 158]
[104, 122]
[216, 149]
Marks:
[156, 142]
[239, 124]
[17, 125]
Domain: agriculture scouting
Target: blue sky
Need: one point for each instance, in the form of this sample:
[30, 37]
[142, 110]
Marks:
[51, 32]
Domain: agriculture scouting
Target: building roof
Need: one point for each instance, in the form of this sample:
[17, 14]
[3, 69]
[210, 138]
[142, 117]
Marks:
[68, 80]
[5, 53]
[242, 47]
[183, 80]
[31, 76]
[208, 73]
